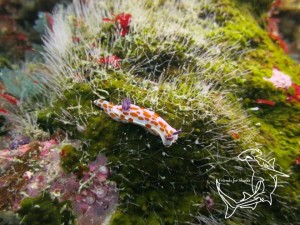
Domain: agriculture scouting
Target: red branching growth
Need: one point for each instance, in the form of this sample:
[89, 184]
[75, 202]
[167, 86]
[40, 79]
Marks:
[22, 37]
[10, 98]
[274, 6]
[75, 39]
[50, 21]
[276, 3]
[234, 135]
[264, 101]
[280, 41]
[298, 161]
[122, 20]
[3, 111]
[273, 28]
[111, 60]
[296, 95]
[108, 20]
[1, 87]
[12, 40]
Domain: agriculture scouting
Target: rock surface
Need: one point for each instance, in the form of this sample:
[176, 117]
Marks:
[207, 68]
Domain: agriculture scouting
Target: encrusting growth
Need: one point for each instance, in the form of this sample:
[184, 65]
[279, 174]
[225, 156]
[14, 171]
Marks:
[151, 121]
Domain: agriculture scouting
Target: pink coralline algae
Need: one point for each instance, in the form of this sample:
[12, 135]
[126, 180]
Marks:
[47, 145]
[50, 168]
[36, 184]
[93, 197]
[122, 20]
[97, 197]
[7, 156]
[279, 79]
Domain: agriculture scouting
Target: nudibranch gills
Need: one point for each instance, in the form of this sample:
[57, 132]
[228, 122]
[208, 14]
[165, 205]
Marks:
[151, 121]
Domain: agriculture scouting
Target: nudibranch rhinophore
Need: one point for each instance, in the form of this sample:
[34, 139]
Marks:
[151, 121]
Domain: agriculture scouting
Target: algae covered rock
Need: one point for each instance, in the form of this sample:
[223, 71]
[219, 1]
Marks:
[42, 210]
[204, 67]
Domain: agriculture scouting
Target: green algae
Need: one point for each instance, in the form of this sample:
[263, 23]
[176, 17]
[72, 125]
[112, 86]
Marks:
[101, 132]
[70, 158]
[162, 184]
[146, 184]
[44, 210]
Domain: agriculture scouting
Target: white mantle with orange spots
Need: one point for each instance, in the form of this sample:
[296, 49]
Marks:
[151, 121]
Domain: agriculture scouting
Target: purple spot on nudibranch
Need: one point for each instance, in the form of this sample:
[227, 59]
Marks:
[172, 137]
[177, 132]
[126, 104]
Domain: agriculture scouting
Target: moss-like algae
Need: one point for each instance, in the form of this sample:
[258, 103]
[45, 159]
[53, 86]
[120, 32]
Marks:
[161, 185]
[70, 158]
[44, 210]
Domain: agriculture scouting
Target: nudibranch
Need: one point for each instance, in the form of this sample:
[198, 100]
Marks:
[151, 121]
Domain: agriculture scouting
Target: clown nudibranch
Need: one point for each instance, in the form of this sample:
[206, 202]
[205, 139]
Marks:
[151, 121]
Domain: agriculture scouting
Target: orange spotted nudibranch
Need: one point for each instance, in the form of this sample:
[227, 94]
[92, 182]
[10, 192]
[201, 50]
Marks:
[151, 121]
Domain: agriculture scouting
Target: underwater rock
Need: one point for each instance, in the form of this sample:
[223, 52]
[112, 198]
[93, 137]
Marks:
[202, 66]
[93, 191]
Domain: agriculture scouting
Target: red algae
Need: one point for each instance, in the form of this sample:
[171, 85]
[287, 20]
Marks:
[264, 101]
